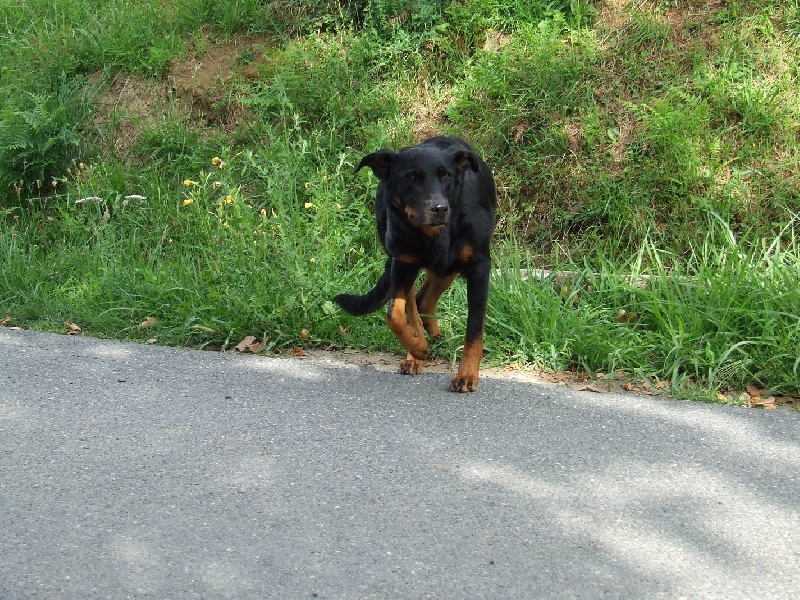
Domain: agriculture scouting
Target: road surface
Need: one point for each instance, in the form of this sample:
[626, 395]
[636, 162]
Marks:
[134, 471]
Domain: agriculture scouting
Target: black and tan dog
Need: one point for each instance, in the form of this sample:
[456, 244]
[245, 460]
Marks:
[435, 211]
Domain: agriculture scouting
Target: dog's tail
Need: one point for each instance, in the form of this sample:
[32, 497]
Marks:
[372, 300]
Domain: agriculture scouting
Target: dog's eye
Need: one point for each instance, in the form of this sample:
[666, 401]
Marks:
[444, 175]
[413, 176]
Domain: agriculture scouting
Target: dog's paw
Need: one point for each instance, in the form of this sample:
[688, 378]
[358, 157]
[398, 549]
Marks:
[464, 382]
[411, 366]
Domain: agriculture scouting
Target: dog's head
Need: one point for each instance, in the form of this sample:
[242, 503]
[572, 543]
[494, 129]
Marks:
[422, 181]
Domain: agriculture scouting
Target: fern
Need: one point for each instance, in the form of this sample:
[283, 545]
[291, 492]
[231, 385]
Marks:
[39, 137]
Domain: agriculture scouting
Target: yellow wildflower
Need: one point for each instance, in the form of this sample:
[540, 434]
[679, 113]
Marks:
[228, 199]
[188, 182]
[216, 160]
[309, 205]
[187, 201]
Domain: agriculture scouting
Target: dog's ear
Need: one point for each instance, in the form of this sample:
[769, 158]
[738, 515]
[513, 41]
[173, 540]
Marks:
[466, 159]
[380, 162]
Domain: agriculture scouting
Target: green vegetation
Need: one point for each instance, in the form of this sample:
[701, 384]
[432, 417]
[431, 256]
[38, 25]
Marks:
[188, 165]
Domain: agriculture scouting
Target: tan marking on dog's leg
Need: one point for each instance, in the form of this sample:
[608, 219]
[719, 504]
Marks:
[432, 289]
[411, 365]
[466, 380]
[416, 345]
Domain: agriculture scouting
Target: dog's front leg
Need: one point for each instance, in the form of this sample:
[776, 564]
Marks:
[466, 380]
[409, 332]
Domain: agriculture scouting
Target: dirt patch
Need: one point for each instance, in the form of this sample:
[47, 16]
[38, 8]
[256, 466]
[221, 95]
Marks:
[599, 382]
[203, 80]
[195, 88]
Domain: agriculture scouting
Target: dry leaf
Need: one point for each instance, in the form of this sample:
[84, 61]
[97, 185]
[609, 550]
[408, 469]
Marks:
[245, 343]
[304, 334]
[754, 391]
[589, 388]
[250, 344]
[151, 341]
[257, 347]
[73, 329]
[148, 322]
[626, 317]
[519, 130]
[6, 320]
[298, 352]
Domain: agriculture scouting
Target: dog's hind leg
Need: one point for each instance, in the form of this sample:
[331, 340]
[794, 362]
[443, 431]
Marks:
[430, 292]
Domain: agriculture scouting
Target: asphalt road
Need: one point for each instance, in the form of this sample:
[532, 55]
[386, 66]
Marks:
[132, 471]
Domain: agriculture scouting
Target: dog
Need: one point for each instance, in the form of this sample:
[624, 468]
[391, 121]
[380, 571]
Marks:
[435, 210]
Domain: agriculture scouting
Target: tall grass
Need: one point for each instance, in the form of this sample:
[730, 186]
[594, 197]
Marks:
[724, 315]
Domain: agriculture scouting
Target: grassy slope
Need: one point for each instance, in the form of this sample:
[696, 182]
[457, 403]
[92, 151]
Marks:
[660, 141]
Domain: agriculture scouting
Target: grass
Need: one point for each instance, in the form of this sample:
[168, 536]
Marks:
[649, 151]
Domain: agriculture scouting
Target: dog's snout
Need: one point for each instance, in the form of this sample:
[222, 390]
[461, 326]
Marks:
[438, 206]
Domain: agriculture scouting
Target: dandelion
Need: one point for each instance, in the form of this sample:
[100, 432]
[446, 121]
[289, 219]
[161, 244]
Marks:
[187, 201]
[228, 199]
[188, 182]
[216, 160]
[309, 205]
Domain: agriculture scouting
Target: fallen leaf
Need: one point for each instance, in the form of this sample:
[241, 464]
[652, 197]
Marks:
[250, 344]
[73, 329]
[245, 343]
[629, 387]
[259, 346]
[589, 388]
[151, 341]
[298, 352]
[6, 320]
[304, 334]
[626, 317]
[754, 391]
[148, 322]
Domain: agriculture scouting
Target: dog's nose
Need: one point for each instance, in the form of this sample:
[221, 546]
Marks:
[440, 209]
